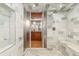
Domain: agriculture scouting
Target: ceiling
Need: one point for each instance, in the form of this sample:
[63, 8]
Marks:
[39, 7]
[35, 7]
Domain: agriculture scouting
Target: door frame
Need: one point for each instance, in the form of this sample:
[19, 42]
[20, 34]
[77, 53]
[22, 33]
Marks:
[30, 31]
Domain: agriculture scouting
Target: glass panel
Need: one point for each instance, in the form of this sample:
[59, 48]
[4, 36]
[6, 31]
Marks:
[7, 26]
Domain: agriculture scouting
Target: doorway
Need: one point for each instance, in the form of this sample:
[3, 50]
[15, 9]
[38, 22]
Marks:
[36, 30]
[34, 37]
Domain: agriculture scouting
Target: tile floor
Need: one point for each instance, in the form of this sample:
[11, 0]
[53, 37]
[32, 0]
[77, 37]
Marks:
[42, 52]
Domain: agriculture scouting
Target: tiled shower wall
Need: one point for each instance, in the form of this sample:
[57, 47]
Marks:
[63, 27]
[73, 19]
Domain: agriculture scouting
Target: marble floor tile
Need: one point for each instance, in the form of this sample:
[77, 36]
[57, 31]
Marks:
[42, 52]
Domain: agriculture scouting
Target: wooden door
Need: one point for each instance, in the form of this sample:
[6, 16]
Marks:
[36, 40]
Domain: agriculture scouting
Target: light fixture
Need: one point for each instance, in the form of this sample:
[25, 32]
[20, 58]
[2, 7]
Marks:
[34, 5]
[27, 23]
[60, 5]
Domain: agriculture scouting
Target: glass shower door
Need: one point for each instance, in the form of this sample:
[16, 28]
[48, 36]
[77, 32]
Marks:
[7, 27]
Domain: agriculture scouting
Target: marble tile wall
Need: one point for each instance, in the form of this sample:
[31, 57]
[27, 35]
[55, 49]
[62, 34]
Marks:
[66, 29]
[56, 30]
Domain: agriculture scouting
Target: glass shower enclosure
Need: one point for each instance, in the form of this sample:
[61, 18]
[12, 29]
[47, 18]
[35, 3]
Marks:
[7, 27]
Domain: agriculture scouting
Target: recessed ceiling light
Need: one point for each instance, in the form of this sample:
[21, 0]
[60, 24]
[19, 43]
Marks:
[34, 5]
[60, 5]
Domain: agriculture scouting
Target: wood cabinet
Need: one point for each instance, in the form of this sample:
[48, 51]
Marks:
[36, 15]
